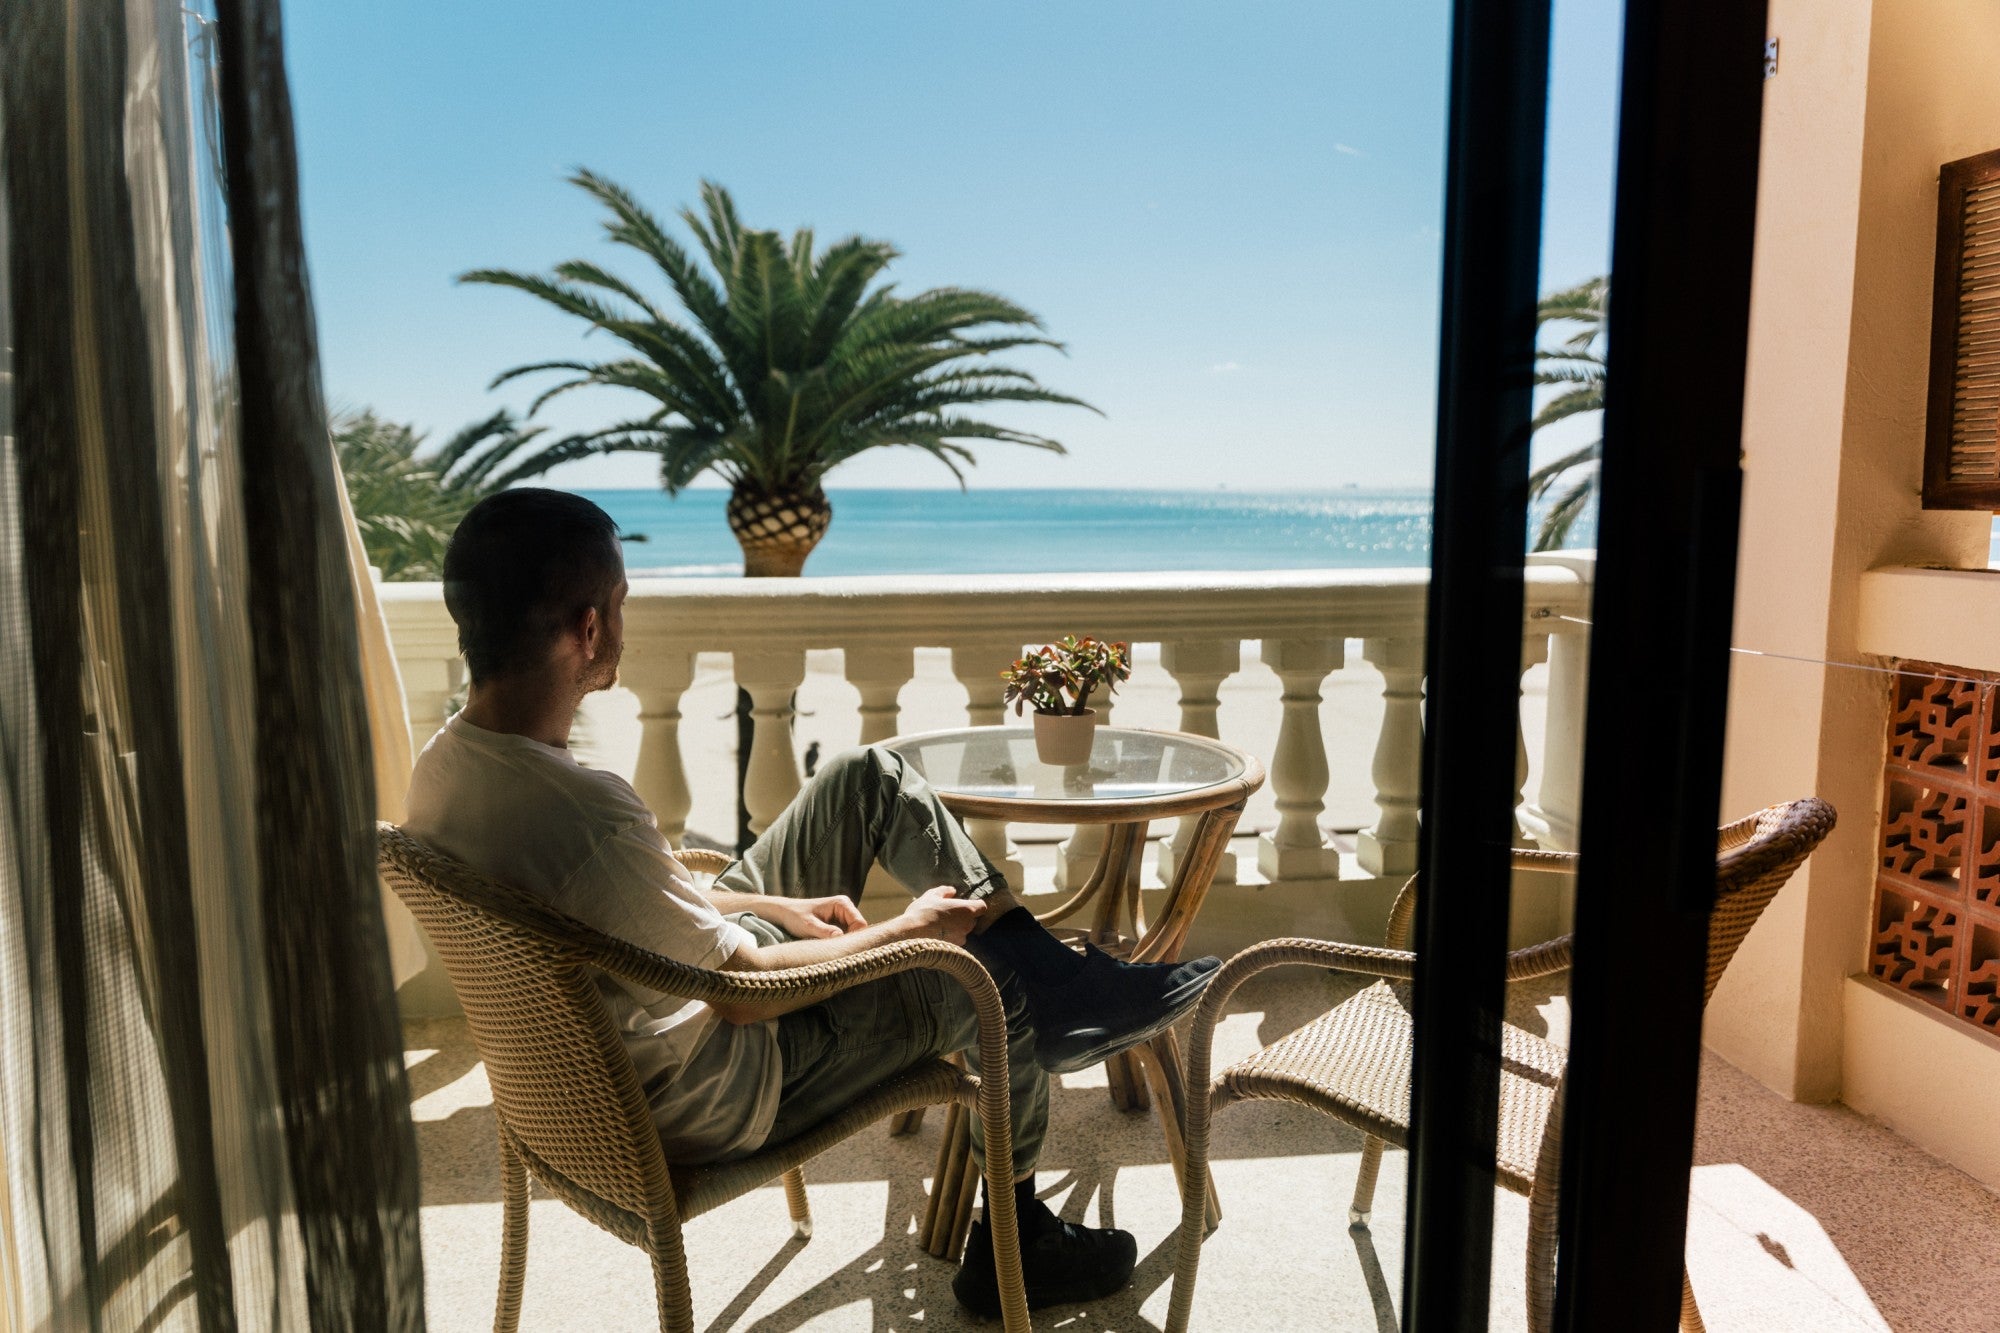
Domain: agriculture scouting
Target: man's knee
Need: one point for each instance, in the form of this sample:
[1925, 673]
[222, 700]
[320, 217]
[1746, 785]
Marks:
[864, 765]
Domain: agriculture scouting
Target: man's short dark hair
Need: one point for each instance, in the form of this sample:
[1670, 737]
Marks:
[524, 565]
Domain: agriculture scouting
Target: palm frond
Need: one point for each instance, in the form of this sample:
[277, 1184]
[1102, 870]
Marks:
[1550, 472]
[1561, 519]
[1575, 402]
[793, 358]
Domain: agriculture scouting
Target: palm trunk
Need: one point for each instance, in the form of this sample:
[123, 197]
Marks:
[777, 529]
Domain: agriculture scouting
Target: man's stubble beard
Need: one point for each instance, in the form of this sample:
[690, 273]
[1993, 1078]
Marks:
[603, 673]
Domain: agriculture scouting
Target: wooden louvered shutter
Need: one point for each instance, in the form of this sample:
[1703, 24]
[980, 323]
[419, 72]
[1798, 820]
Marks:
[1962, 448]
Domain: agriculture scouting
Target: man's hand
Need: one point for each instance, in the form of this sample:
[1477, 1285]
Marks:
[941, 915]
[830, 929]
[810, 918]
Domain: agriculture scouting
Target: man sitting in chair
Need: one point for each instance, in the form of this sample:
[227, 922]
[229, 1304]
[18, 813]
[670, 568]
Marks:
[536, 583]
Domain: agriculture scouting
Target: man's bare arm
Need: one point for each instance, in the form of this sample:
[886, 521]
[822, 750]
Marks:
[939, 915]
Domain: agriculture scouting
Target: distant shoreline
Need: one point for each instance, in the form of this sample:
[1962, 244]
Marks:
[941, 530]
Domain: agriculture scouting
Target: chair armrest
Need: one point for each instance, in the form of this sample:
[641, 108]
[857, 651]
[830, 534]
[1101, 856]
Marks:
[1541, 960]
[801, 985]
[1402, 913]
[1364, 959]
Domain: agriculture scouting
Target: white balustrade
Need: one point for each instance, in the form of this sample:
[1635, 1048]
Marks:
[1390, 847]
[1078, 854]
[770, 676]
[1299, 849]
[1534, 652]
[1302, 620]
[1199, 667]
[879, 675]
[659, 679]
[978, 667]
[1554, 816]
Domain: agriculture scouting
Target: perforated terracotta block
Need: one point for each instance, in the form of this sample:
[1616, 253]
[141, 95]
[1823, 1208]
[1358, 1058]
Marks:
[1979, 986]
[1937, 882]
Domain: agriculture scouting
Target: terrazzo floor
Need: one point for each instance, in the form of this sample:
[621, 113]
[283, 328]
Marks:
[1804, 1218]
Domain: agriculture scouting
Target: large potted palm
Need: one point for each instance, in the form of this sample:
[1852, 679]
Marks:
[790, 361]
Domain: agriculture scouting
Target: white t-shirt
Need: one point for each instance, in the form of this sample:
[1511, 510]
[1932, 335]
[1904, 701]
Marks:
[529, 815]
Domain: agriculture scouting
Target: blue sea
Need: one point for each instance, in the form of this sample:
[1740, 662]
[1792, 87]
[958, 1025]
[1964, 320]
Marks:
[1047, 531]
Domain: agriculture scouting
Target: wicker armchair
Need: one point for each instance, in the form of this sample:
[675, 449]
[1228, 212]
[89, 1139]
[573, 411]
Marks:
[1353, 1063]
[569, 1107]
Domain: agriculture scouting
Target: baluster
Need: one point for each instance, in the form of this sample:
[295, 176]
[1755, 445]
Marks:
[1534, 651]
[1390, 848]
[428, 684]
[880, 675]
[659, 677]
[978, 667]
[1553, 817]
[1199, 667]
[1298, 849]
[772, 780]
[1080, 852]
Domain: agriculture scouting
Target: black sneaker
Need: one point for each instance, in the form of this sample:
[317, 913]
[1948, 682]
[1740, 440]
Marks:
[1110, 1006]
[1061, 1264]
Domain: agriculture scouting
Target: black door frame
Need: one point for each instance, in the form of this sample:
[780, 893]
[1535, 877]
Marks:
[1492, 262]
[1690, 112]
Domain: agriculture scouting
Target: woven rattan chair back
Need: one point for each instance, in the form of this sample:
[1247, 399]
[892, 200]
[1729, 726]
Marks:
[568, 1103]
[1754, 857]
[563, 1086]
[1358, 1070]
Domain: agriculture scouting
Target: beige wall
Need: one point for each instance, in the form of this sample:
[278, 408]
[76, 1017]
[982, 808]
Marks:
[1869, 100]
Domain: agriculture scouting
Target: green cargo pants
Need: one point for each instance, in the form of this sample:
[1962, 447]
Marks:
[867, 806]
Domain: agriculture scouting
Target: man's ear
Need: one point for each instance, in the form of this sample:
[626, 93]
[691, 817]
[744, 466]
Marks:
[589, 631]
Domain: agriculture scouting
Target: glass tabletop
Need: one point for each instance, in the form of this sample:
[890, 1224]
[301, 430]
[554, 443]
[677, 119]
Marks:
[1126, 764]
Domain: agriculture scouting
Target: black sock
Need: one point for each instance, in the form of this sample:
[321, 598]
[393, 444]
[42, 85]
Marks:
[1024, 944]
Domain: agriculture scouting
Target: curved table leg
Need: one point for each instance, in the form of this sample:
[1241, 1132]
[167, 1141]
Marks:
[1117, 904]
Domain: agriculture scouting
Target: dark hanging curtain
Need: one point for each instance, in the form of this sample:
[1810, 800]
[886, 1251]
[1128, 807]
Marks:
[203, 1118]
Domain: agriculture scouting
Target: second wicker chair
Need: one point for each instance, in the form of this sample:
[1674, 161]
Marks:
[1353, 1063]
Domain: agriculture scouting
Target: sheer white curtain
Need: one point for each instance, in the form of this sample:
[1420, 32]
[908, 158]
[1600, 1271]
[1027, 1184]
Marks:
[389, 737]
[203, 1117]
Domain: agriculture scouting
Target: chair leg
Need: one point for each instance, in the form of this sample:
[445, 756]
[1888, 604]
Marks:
[906, 1122]
[1161, 1063]
[1690, 1313]
[513, 1237]
[1195, 1195]
[968, 1194]
[670, 1280]
[1542, 1258]
[941, 1208]
[1363, 1206]
[795, 1200]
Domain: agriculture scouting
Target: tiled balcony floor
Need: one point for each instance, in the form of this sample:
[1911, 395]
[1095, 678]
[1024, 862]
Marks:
[1804, 1218]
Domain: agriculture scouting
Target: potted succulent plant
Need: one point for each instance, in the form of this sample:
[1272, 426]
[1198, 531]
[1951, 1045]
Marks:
[1057, 680]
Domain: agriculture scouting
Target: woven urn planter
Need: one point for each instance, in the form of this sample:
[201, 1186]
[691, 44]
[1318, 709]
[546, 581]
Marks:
[1064, 739]
[778, 531]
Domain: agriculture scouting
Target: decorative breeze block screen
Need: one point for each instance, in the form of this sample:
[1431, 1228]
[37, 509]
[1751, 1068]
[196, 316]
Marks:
[1962, 442]
[1937, 880]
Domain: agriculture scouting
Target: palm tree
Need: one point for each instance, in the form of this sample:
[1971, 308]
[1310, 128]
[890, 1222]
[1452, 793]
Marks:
[790, 362]
[1578, 363]
[406, 503]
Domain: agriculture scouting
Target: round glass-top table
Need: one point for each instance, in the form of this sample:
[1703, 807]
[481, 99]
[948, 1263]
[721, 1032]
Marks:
[1132, 773]
[990, 775]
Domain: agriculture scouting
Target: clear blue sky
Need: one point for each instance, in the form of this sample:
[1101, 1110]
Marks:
[1229, 212]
